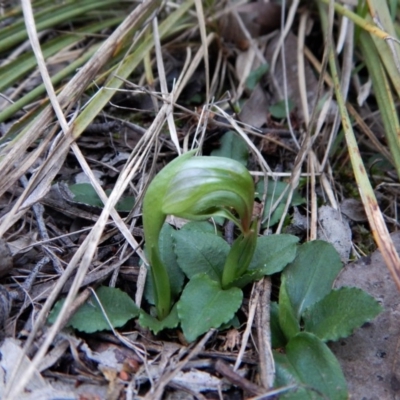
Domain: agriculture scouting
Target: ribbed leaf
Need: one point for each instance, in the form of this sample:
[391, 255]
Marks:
[339, 313]
[273, 253]
[204, 305]
[309, 278]
[200, 252]
[309, 363]
[204, 185]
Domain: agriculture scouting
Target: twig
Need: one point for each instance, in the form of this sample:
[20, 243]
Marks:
[245, 338]
[88, 247]
[163, 382]
[32, 276]
[267, 366]
[38, 210]
[224, 369]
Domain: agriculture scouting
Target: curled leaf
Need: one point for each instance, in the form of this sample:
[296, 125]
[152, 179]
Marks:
[153, 220]
[209, 186]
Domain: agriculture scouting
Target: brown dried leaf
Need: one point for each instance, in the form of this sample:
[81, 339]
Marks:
[335, 229]
[255, 110]
[258, 19]
[276, 78]
[353, 209]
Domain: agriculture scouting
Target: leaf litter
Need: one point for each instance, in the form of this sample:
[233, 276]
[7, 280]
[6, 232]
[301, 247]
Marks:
[62, 235]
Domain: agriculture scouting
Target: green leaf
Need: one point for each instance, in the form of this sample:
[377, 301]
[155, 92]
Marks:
[233, 323]
[309, 278]
[256, 75]
[89, 318]
[278, 338]
[286, 376]
[85, 193]
[234, 147]
[274, 190]
[155, 325]
[288, 320]
[199, 226]
[199, 252]
[204, 187]
[194, 188]
[273, 253]
[239, 256]
[339, 313]
[310, 363]
[248, 277]
[125, 204]
[153, 221]
[168, 257]
[382, 88]
[278, 110]
[204, 305]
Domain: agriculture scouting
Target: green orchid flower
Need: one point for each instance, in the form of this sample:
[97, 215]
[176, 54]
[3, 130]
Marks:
[199, 188]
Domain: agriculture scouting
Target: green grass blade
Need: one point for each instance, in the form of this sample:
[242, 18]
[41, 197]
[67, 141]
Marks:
[16, 33]
[125, 69]
[374, 215]
[388, 50]
[383, 96]
[12, 72]
[39, 90]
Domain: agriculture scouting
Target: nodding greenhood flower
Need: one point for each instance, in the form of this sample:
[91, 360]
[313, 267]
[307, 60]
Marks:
[198, 188]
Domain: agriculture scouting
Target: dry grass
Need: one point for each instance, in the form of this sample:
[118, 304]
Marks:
[163, 55]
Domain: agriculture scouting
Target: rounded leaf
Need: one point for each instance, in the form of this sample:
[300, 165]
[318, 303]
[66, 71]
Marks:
[309, 278]
[200, 252]
[273, 253]
[89, 318]
[310, 363]
[340, 312]
[204, 305]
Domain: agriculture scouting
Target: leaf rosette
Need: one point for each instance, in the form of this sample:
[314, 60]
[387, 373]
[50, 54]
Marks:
[198, 188]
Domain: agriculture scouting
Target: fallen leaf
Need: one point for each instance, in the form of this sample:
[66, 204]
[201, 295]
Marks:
[335, 229]
[255, 110]
[258, 19]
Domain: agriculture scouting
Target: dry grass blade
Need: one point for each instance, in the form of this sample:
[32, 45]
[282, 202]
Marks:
[374, 215]
[123, 94]
[164, 380]
[164, 88]
[368, 26]
[33, 95]
[49, 17]
[85, 254]
[86, 251]
[72, 91]
[203, 34]
[263, 319]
